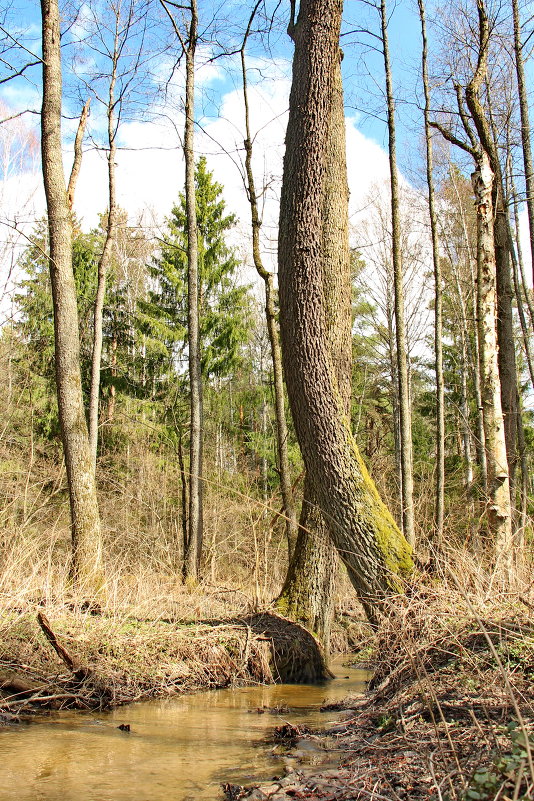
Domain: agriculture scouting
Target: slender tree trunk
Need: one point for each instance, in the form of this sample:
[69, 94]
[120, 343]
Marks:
[400, 321]
[525, 123]
[438, 298]
[365, 534]
[464, 398]
[288, 506]
[394, 393]
[105, 256]
[517, 264]
[78, 153]
[506, 334]
[479, 416]
[194, 539]
[480, 439]
[86, 567]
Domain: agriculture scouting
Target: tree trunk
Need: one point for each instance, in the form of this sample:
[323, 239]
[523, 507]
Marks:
[366, 536]
[308, 593]
[498, 507]
[288, 506]
[406, 450]
[86, 566]
[475, 351]
[487, 171]
[438, 301]
[525, 123]
[105, 256]
[193, 552]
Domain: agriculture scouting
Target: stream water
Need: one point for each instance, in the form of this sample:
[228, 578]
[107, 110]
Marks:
[177, 749]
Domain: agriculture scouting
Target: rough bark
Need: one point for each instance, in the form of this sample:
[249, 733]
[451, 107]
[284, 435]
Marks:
[366, 536]
[406, 448]
[86, 566]
[308, 592]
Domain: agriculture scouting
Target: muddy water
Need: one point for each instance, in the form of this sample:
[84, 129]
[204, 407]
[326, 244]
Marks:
[178, 749]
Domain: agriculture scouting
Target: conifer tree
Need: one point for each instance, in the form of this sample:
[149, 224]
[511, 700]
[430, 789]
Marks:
[223, 303]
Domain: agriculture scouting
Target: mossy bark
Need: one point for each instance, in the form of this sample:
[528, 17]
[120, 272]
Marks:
[362, 529]
[308, 593]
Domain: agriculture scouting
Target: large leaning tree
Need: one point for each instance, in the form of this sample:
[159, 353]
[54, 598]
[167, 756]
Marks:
[369, 542]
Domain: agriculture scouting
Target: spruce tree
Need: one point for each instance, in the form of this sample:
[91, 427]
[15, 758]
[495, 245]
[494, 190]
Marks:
[223, 305]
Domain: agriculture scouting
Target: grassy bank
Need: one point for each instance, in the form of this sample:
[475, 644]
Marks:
[78, 657]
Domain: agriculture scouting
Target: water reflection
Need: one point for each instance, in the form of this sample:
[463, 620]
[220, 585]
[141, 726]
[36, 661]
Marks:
[177, 749]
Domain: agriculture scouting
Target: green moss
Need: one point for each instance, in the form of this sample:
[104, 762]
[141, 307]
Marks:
[396, 551]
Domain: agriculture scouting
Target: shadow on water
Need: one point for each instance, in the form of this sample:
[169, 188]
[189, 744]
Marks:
[178, 748]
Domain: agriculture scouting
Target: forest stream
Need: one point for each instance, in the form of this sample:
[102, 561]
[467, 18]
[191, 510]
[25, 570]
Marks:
[176, 749]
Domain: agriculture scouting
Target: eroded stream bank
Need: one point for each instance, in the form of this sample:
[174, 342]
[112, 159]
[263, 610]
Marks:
[178, 748]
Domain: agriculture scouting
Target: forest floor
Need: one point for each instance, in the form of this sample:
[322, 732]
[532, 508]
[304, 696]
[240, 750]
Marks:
[449, 715]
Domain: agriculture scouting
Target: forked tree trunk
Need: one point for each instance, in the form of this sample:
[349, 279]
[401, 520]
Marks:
[366, 536]
[86, 567]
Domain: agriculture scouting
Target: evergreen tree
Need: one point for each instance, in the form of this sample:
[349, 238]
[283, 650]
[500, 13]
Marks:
[34, 301]
[223, 323]
[223, 304]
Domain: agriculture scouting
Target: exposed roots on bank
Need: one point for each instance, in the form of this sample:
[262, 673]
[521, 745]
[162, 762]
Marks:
[74, 659]
[449, 714]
